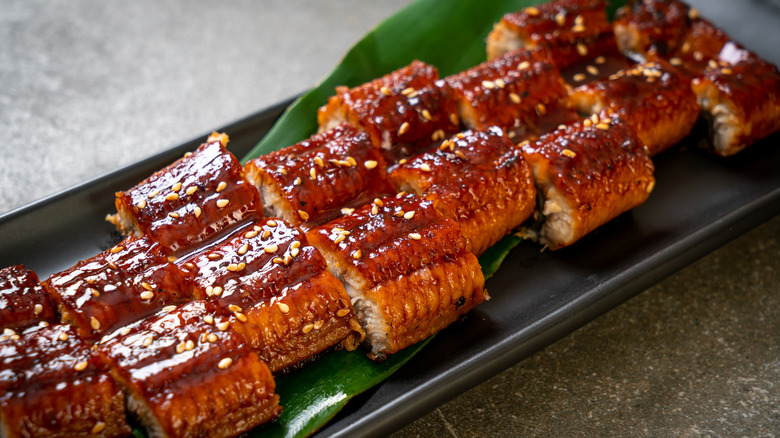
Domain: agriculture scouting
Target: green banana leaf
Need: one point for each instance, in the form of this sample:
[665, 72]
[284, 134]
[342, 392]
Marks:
[450, 35]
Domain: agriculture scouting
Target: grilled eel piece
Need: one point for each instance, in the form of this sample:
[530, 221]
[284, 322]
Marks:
[54, 384]
[737, 91]
[404, 112]
[522, 92]
[309, 183]
[654, 98]
[187, 373]
[405, 268]
[189, 201]
[477, 178]
[120, 285]
[586, 174]
[274, 290]
[23, 301]
[572, 31]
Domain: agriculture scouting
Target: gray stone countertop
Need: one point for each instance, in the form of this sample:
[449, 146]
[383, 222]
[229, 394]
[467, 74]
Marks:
[90, 86]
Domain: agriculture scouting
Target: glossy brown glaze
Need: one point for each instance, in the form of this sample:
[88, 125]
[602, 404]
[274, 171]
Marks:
[188, 375]
[743, 101]
[404, 111]
[507, 91]
[186, 203]
[657, 26]
[479, 179]
[587, 174]
[267, 274]
[571, 30]
[52, 383]
[123, 284]
[308, 184]
[23, 301]
[595, 69]
[654, 98]
[405, 268]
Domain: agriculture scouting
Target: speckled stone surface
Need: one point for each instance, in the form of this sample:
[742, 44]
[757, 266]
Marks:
[90, 86]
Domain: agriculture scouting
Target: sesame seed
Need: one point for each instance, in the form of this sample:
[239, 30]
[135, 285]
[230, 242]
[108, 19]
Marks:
[532, 11]
[712, 63]
[146, 286]
[209, 290]
[222, 203]
[189, 346]
[278, 260]
[169, 308]
[352, 162]
[313, 173]
[112, 265]
[385, 91]
[81, 366]
[541, 109]
[224, 363]
[241, 317]
[234, 308]
[214, 256]
[461, 155]
[98, 427]
[426, 115]
[374, 209]
[250, 234]
[189, 265]
[93, 291]
[592, 70]
[408, 215]
[174, 215]
[294, 252]
[650, 186]
[153, 194]
[266, 234]
[125, 331]
[15, 337]
[523, 65]
[141, 204]
[208, 319]
[318, 161]
[243, 249]
[697, 55]
[602, 126]
[514, 97]
[579, 77]
[407, 91]
[370, 164]
[176, 187]
[402, 161]
[579, 19]
[339, 239]
[147, 295]
[356, 254]
[578, 28]
[415, 236]
[63, 336]
[500, 83]
[270, 249]
[600, 60]
[197, 211]
[232, 267]
[342, 312]
[569, 153]
[726, 71]
[296, 244]
[172, 259]
[347, 210]
[94, 323]
[488, 84]
[116, 249]
[148, 341]
[693, 13]
[284, 308]
[172, 197]
[404, 128]
[560, 18]
[38, 309]
[379, 202]
[191, 190]
[303, 215]
[307, 328]
[318, 324]
[203, 338]
[222, 326]
[222, 185]
[582, 49]
[180, 348]
[425, 167]
[211, 338]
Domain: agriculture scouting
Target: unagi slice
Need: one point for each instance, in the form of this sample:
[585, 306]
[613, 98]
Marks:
[477, 178]
[512, 92]
[404, 112]
[189, 201]
[571, 30]
[187, 374]
[654, 98]
[123, 284]
[405, 268]
[23, 301]
[741, 103]
[586, 174]
[309, 183]
[54, 384]
[276, 289]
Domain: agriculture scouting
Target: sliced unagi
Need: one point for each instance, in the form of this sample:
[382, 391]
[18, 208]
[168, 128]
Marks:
[309, 183]
[120, 285]
[405, 268]
[654, 98]
[186, 373]
[279, 295]
[404, 111]
[477, 178]
[193, 199]
[572, 31]
[741, 103]
[54, 384]
[23, 301]
[520, 92]
[586, 174]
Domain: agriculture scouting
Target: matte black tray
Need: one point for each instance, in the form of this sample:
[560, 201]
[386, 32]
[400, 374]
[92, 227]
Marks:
[700, 202]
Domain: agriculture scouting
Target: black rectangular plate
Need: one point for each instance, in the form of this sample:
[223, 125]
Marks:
[700, 202]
